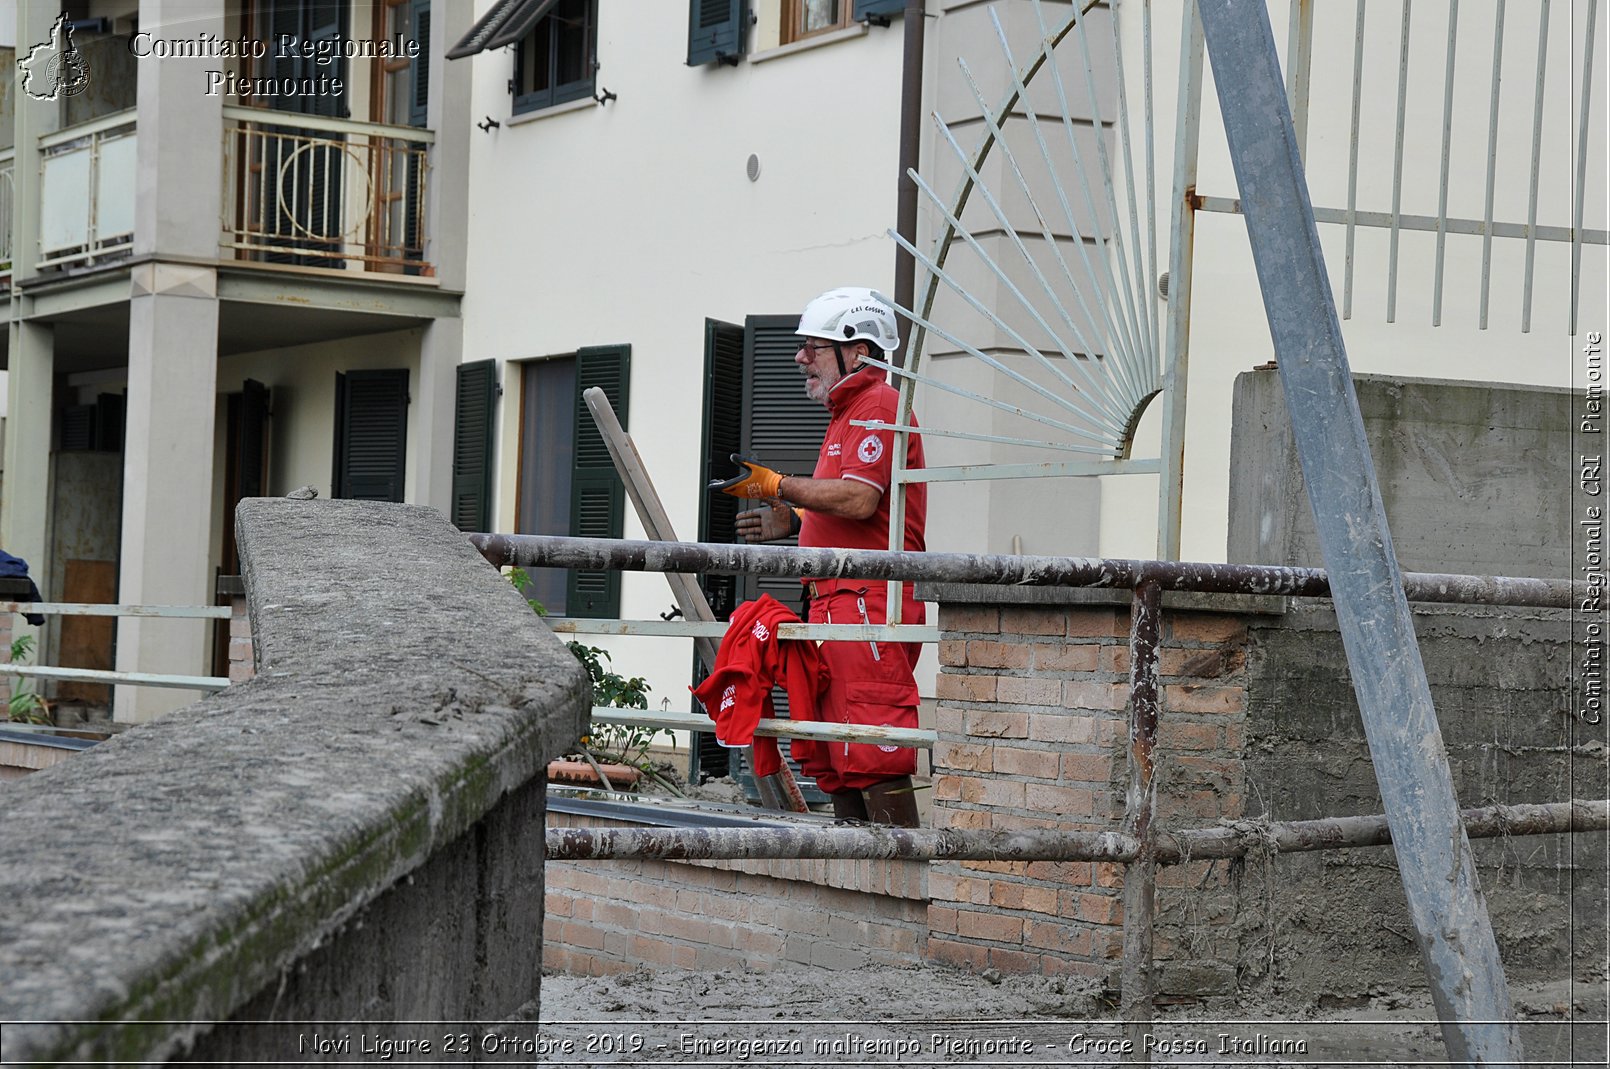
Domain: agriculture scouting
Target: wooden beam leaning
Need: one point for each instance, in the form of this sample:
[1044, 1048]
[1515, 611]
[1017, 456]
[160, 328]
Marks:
[778, 791]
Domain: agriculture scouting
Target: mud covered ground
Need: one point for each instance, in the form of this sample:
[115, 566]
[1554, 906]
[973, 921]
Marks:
[804, 1017]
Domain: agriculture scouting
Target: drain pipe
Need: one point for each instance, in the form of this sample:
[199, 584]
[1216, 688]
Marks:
[905, 266]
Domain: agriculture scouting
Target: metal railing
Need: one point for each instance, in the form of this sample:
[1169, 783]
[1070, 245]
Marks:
[1136, 843]
[679, 557]
[98, 675]
[86, 192]
[321, 192]
[1431, 34]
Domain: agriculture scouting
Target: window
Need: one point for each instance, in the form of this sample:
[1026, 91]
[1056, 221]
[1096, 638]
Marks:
[807, 18]
[556, 44]
[554, 63]
[567, 481]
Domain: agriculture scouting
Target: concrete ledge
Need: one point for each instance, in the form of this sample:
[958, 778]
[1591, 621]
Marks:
[189, 866]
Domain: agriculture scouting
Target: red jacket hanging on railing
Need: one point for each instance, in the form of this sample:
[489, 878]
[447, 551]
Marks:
[751, 661]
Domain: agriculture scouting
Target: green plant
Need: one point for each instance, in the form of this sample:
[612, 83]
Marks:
[24, 704]
[625, 744]
[521, 580]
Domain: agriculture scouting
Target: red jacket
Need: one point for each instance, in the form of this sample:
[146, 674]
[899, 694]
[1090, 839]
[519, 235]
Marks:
[751, 661]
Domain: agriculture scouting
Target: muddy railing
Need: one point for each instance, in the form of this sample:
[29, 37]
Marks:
[1136, 843]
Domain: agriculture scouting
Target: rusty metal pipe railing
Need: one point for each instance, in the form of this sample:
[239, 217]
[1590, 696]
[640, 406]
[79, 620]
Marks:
[606, 554]
[1329, 833]
[914, 844]
[1140, 875]
[871, 842]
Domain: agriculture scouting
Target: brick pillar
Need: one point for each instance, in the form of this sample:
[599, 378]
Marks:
[1032, 734]
[242, 658]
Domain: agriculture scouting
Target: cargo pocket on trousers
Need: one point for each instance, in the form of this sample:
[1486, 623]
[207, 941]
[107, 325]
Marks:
[882, 705]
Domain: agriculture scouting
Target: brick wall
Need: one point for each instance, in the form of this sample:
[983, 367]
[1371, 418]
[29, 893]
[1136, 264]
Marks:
[1257, 719]
[242, 661]
[611, 916]
[1032, 734]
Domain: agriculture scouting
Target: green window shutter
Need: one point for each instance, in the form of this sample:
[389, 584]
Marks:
[782, 427]
[716, 30]
[597, 497]
[881, 10]
[371, 435]
[419, 90]
[473, 409]
[724, 406]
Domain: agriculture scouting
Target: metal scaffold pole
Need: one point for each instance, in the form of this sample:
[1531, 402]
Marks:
[1433, 852]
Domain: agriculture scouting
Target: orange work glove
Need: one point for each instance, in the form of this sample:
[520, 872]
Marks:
[755, 481]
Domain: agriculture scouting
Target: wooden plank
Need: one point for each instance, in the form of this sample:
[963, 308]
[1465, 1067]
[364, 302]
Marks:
[689, 596]
[86, 641]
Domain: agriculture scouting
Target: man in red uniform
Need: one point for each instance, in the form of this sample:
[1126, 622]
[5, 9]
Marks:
[845, 505]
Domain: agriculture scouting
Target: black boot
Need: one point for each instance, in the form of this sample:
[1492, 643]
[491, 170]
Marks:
[848, 805]
[894, 801]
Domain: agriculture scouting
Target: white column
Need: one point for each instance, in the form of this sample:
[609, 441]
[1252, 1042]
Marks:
[173, 361]
[430, 469]
[441, 349]
[25, 500]
[167, 479]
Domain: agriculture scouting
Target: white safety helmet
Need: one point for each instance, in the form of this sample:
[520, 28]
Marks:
[851, 313]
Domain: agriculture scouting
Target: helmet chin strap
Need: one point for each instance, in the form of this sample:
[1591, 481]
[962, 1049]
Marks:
[838, 351]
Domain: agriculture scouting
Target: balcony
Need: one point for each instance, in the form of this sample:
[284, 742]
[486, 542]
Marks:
[8, 159]
[298, 190]
[86, 198]
[311, 191]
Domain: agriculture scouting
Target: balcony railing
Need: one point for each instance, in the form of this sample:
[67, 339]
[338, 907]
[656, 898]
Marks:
[319, 192]
[86, 201]
[7, 162]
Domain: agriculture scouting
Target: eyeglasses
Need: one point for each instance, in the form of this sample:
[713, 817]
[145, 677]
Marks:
[815, 346]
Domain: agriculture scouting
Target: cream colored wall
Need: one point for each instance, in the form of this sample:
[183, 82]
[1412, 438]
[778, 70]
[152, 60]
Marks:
[1229, 332]
[301, 383]
[634, 221]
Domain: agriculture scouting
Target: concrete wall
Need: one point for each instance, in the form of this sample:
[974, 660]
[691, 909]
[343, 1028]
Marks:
[302, 383]
[1507, 724]
[1473, 475]
[1258, 720]
[358, 829]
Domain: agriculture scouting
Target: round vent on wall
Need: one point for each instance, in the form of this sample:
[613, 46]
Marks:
[752, 167]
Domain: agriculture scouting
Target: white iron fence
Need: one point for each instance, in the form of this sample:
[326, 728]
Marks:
[321, 192]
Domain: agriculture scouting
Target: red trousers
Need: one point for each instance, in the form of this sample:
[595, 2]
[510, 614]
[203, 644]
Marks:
[863, 688]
